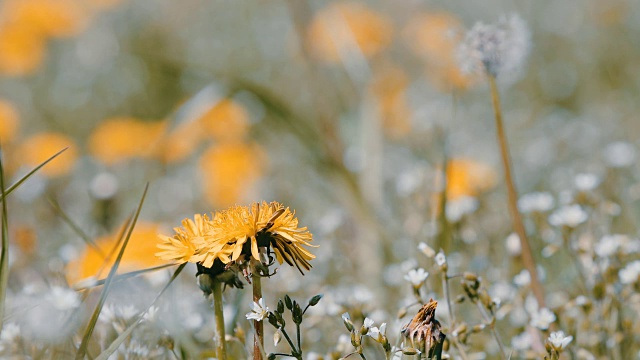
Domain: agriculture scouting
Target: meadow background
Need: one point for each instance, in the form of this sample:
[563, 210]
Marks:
[347, 112]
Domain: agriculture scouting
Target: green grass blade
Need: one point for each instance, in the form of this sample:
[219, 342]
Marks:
[4, 257]
[28, 175]
[82, 350]
[123, 336]
[124, 276]
[86, 238]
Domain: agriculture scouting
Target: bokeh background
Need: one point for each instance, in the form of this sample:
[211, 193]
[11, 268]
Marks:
[345, 111]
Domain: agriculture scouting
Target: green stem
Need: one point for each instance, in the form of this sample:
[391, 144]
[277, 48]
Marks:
[512, 197]
[221, 349]
[492, 326]
[258, 338]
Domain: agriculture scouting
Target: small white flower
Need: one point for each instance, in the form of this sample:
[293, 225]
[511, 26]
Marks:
[416, 277]
[277, 336]
[312, 355]
[559, 341]
[608, 245]
[458, 208]
[150, 315]
[127, 312]
[346, 317]
[586, 181]
[630, 273]
[536, 202]
[620, 154]
[498, 49]
[63, 299]
[570, 216]
[522, 279]
[441, 259]
[377, 333]
[368, 323]
[259, 311]
[426, 249]
[10, 331]
[542, 318]
[513, 244]
[521, 342]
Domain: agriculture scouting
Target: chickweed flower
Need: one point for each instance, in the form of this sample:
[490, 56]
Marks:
[497, 50]
[630, 273]
[427, 250]
[558, 341]
[568, 216]
[416, 277]
[259, 311]
[536, 202]
[441, 260]
[542, 318]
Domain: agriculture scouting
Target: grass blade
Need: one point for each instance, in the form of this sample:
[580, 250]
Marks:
[28, 175]
[4, 257]
[82, 350]
[86, 238]
[124, 276]
[122, 337]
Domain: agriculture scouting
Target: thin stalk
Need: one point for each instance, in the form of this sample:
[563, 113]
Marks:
[258, 338]
[492, 326]
[512, 197]
[298, 337]
[221, 347]
[447, 295]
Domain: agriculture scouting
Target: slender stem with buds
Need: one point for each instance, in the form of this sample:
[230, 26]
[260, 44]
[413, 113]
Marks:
[512, 197]
[491, 323]
[221, 349]
[258, 338]
[447, 295]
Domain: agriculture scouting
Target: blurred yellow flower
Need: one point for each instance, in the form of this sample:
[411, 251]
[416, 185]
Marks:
[180, 142]
[55, 18]
[229, 170]
[389, 87]
[243, 229]
[138, 255]
[435, 37]
[336, 29]
[9, 122]
[22, 49]
[226, 121]
[38, 148]
[466, 177]
[120, 139]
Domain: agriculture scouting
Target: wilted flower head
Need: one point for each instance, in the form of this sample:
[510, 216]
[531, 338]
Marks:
[424, 331]
[495, 49]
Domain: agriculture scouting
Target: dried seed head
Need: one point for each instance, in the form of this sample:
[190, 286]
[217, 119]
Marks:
[424, 331]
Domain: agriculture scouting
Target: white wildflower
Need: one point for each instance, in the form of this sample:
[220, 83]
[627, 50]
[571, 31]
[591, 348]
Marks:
[536, 202]
[570, 216]
[620, 154]
[522, 279]
[498, 50]
[259, 311]
[416, 277]
[10, 331]
[441, 259]
[608, 245]
[521, 342]
[426, 249]
[586, 181]
[376, 333]
[559, 341]
[542, 318]
[630, 273]
[513, 244]
[458, 208]
[63, 299]
[368, 323]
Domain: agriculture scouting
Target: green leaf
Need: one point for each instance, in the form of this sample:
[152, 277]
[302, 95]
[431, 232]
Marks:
[86, 238]
[28, 175]
[82, 350]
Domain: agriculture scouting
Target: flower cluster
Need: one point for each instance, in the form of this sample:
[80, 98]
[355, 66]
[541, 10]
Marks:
[236, 234]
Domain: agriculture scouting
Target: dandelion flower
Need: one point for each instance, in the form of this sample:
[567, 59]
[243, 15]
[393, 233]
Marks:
[245, 229]
[259, 311]
[497, 50]
[40, 147]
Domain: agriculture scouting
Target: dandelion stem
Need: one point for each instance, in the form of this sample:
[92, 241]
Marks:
[258, 338]
[221, 348]
[512, 197]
